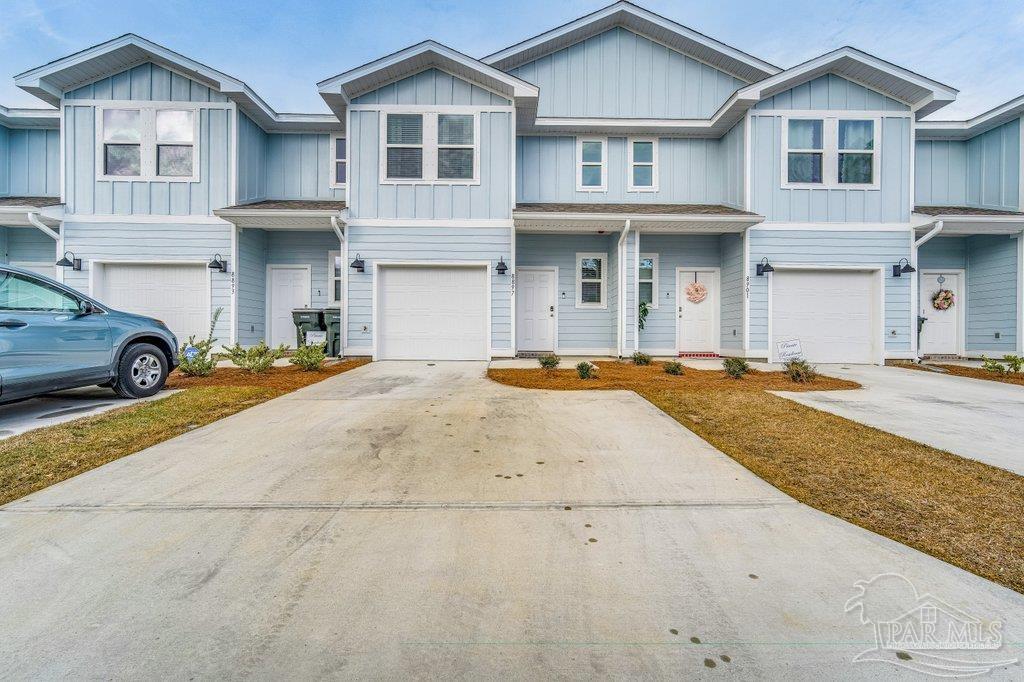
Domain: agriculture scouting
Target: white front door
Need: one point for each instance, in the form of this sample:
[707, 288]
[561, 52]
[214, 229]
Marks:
[698, 319]
[940, 334]
[288, 287]
[535, 309]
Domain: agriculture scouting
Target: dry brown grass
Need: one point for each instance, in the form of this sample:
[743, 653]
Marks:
[40, 458]
[972, 373]
[958, 510]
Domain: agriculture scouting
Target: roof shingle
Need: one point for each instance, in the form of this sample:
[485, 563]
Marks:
[963, 210]
[34, 202]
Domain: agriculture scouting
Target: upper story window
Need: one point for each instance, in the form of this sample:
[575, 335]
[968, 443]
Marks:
[643, 165]
[830, 152]
[339, 161]
[147, 143]
[591, 164]
[430, 148]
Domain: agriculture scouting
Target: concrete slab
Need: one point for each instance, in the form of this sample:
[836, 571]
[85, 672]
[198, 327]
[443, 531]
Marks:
[969, 417]
[61, 406]
[413, 521]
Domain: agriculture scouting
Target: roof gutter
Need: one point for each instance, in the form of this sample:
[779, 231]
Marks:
[33, 217]
[931, 233]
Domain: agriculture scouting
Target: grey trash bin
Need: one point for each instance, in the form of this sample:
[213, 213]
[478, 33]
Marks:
[332, 323]
[307, 320]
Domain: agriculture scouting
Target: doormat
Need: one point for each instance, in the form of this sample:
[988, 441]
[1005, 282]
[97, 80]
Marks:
[711, 356]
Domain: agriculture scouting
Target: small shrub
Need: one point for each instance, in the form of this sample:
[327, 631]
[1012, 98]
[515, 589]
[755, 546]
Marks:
[800, 371]
[549, 361]
[257, 359]
[994, 366]
[194, 358]
[674, 368]
[309, 357]
[1015, 363]
[641, 358]
[587, 370]
[642, 311]
[735, 367]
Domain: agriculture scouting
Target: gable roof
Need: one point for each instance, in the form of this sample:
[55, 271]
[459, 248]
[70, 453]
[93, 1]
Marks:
[922, 94]
[29, 118]
[639, 20]
[963, 130]
[339, 90]
[49, 81]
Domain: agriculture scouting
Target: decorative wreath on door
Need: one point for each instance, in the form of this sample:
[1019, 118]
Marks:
[696, 292]
[943, 299]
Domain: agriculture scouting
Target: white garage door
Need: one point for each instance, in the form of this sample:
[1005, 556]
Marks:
[176, 294]
[833, 314]
[432, 313]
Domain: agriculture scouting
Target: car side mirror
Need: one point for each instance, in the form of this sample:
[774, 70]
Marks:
[86, 308]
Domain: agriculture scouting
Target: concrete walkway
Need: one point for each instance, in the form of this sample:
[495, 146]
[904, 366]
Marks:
[982, 420]
[406, 521]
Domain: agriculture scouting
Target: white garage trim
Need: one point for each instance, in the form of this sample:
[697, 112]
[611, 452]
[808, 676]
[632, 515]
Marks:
[879, 272]
[485, 266]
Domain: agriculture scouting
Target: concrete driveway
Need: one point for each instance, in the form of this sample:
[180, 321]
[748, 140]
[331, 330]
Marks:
[61, 406]
[412, 521]
[982, 420]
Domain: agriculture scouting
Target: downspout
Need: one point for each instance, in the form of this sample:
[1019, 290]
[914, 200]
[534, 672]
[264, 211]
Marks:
[33, 217]
[620, 327]
[915, 284]
[343, 303]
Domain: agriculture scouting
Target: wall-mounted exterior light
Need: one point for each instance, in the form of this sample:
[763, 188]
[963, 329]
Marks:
[903, 268]
[358, 265]
[764, 267]
[73, 262]
[501, 268]
[218, 263]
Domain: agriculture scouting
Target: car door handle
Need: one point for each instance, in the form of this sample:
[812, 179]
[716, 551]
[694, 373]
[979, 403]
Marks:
[12, 324]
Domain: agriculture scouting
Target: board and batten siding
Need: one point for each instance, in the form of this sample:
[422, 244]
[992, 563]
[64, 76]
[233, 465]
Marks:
[831, 92]
[252, 161]
[29, 162]
[940, 173]
[841, 248]
[431, 87]
[142, 242]
[147, 82]
[619, 74]
[299, 167]
[983, 172]
[426, 245]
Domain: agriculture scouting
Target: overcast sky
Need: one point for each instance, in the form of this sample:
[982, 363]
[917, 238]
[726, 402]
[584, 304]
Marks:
[281, 48]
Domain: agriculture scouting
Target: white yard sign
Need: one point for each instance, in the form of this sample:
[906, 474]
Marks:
[789, 350]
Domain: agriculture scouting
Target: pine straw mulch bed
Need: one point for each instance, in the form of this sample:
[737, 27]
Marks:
[961, 511]
[37, 459]
[1016, 378]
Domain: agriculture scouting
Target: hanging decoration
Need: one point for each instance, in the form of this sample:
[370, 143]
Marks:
[943, 299]
[696, 292]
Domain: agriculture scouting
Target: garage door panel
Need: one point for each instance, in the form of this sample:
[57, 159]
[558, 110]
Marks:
[432, 313]
[176, 294]
[833, 314]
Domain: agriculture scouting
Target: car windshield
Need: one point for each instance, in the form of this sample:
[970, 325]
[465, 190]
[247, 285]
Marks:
[20, 292]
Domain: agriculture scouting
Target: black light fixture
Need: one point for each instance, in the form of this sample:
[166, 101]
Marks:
[73, 262]
[358, 264]
[764, 267]
[903, 268]
[501, 268]
[218, 263]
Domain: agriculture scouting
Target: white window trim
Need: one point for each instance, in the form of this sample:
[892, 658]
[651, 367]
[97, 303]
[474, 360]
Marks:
[331, 279]
[579, 164]
[654, 280]
[830, 152]
[334, 161]
[430, 148]
[630, 163]
[147, 142]
[603, 305]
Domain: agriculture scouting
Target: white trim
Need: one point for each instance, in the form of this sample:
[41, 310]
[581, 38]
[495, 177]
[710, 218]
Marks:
[145, 103]
[717, 324]
[376, 265]
[268, 293]
[233, 155]
[879, 321]
[860, 114]
[334, 184]
[580, 187]
[554, 297]
[830, 151]
[620, 322]
[630, 163]
[435, 108]
[748, 172]
[145, 219]
[834, 227]
[63, 148]
[603, 305]
[233, 269]
[148, 143]
[983, 122]
[636, 289]
[430, 148]
[331, 255]
[1020, 279]
[398, 222]
[512, 282]
[746, 291]
[961, 306]
[655, 291]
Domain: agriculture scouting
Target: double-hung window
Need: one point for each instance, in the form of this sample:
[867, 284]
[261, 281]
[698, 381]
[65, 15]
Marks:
[121, 133]
[175, 143]
[431, 148]
[591, 164]
[147, 143]
[339, 161]
[591, 280]
[643, 165]
[649, 279]
[831, 152]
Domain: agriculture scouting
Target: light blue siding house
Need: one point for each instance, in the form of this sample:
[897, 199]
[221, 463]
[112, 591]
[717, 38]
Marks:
[534, 200]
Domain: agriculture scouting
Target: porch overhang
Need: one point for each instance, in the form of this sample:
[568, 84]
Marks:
[662, 218]
[288, 214]
[15, 211]
[967, 220]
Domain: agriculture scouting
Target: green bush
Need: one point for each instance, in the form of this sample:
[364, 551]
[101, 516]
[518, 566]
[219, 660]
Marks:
[642, 311]
[641, 358]
[194, 359]
[257, 359]
[674, 368]
[1015, 363]
[549, 361]
[587, 370]
[994, 366]
[309, 357]
[735, 367]
[800, 371]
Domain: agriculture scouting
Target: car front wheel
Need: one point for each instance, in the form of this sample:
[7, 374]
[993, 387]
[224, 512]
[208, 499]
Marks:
[141, 371]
